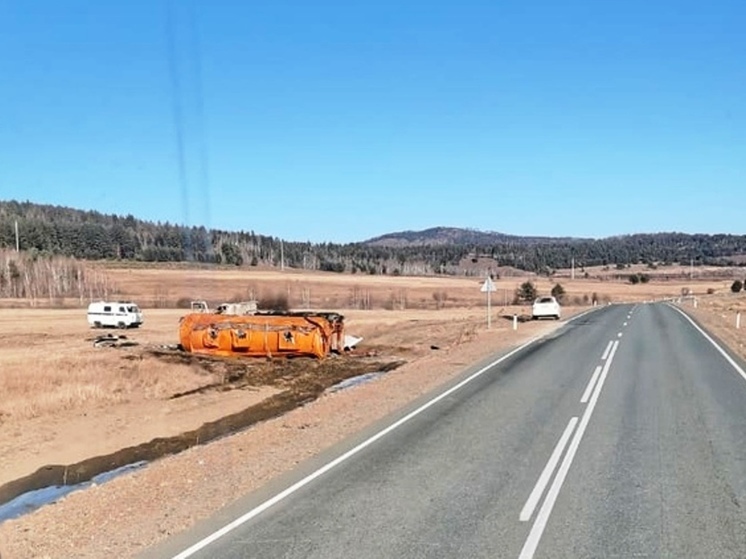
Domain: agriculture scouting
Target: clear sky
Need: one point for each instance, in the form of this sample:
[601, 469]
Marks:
[339, 121]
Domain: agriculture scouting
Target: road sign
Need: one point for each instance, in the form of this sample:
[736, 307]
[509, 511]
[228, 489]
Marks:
[488, 286]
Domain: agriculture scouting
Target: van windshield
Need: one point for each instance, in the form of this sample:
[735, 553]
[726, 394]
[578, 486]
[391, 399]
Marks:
[133, 308]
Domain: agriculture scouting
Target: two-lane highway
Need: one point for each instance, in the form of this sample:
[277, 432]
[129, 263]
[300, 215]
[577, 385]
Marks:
[621, 435]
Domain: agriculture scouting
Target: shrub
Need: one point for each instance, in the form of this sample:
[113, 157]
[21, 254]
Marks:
[183, 303]
[526, 292]
[558, 292]
[634, 279]
[440, 297]
[737, 286]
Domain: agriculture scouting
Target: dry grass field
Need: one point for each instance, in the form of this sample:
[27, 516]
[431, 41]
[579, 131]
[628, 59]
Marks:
[165, 287]
[718, 312]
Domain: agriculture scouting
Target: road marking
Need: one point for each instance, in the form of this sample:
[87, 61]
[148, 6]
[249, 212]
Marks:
[546, 474]
[591, 384]
[532, 542]
[619, 335]
[625, 324]
[724, 353]
[607, 350]
[256, 511]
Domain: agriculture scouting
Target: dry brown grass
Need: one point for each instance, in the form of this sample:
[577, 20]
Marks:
[163, 287]
[48, 366]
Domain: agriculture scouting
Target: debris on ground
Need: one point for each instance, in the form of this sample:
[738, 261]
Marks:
[351, 341]
[112, 340]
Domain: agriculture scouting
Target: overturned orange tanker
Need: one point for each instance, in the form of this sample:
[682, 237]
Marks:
[264, 334]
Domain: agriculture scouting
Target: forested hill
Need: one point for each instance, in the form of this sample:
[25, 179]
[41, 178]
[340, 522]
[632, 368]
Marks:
[45, 229]
[455, 236]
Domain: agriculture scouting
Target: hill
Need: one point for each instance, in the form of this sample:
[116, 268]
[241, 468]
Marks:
[454, 236]
[46, 230]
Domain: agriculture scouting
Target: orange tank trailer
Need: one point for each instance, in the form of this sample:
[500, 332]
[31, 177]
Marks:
[269, 334]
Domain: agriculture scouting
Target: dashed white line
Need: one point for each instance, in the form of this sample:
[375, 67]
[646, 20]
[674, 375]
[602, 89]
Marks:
[619, 335]
[625, 324]
[591, 384]
[537, 530]
[546, 474]
[606, 351]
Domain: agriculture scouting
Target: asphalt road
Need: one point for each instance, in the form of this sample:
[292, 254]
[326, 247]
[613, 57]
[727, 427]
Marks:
[621, 435]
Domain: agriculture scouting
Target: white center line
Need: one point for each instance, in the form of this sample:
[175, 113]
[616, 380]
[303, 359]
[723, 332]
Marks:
[606, 351]
[541, 484]
[625, 324]
[619, 335]
[591, 384]
[537, 530]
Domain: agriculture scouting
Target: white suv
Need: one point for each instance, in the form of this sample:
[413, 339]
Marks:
[546, 307]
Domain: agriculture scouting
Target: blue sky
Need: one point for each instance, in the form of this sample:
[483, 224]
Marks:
[339, 121]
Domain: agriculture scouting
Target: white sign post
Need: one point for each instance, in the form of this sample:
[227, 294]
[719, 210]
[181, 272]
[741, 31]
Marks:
[489, 288]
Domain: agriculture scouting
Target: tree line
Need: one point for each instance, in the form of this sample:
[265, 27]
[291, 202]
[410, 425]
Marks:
[59, 231]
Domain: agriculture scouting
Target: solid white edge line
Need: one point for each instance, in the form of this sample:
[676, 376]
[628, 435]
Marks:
[607, 350]
[546, 474]
[537, 530]
[724, 353]
[343, 457]
[591, 384]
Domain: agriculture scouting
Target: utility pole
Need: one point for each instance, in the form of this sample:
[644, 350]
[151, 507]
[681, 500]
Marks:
[282, 256]
[18, 243]
[691, 269]
[572, 276]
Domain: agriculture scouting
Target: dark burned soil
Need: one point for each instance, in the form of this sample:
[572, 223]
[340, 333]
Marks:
[301, 380]
[299, 374]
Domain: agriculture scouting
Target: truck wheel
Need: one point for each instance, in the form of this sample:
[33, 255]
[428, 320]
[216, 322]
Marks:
[122, 325]
[97, 324]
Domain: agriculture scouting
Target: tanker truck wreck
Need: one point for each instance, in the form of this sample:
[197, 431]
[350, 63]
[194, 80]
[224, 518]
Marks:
[264, 334]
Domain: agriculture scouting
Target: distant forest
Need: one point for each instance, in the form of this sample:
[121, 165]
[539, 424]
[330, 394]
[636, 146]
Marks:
[47, 230]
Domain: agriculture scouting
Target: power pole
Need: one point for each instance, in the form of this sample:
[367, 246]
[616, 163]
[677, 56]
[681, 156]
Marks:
[573, 269]
[282, 256]
[18, 243]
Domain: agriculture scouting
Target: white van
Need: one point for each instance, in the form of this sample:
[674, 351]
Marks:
[120, 314]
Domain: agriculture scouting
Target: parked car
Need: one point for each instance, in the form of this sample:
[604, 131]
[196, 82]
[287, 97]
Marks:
[119, 314]
[546, 307]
